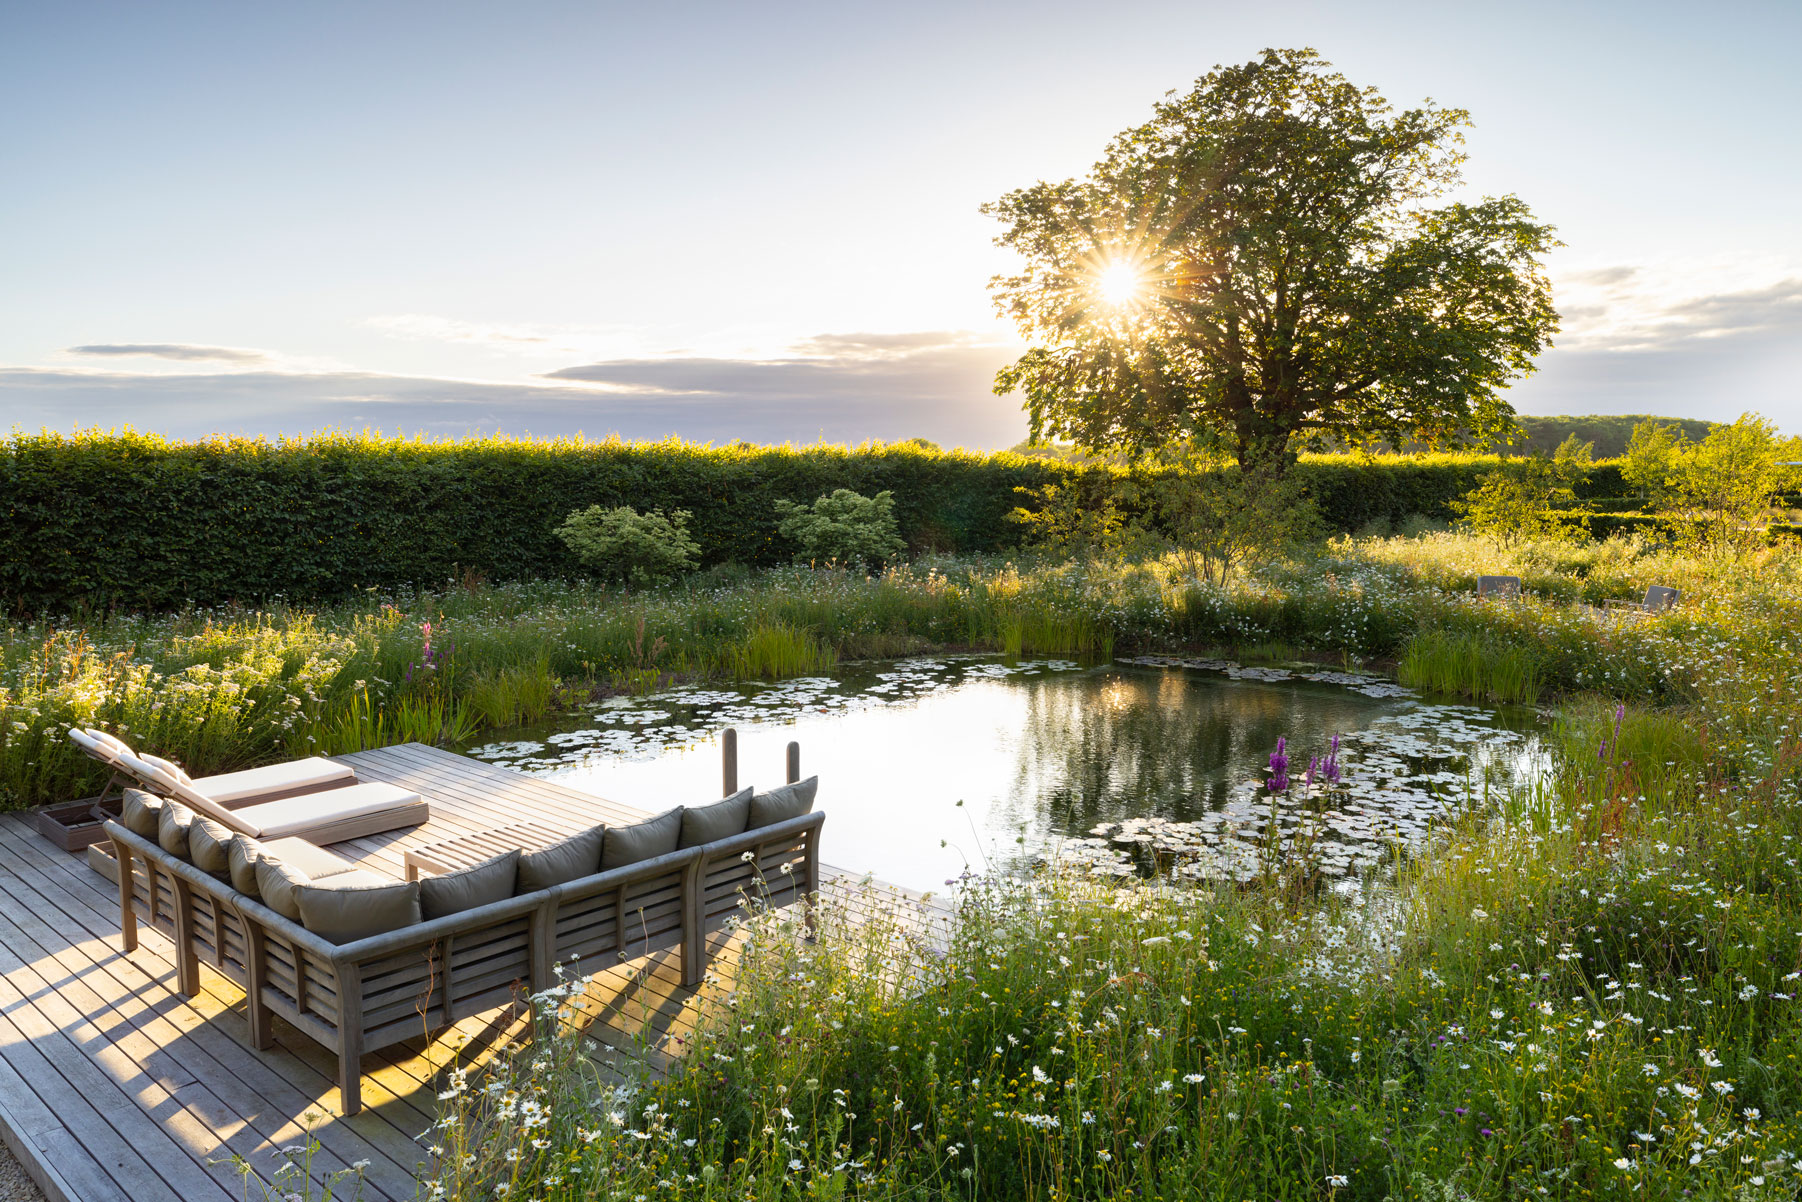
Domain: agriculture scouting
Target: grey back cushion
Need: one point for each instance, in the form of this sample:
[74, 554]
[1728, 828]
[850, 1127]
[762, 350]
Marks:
[209, 843]
[711, 823]
[138, 812]
[277, 884]
[172, 823]
[241, 862]
[575, 857]
[642, 840]
[454, 892]
[779, 805]
[349, 906]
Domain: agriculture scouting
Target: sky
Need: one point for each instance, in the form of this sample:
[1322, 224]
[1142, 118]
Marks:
[762, 221]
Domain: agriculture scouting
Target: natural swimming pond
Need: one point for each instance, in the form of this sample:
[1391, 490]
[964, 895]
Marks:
[931, 765]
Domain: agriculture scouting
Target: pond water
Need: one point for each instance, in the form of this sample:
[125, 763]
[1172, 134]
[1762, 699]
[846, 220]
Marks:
[932, 766]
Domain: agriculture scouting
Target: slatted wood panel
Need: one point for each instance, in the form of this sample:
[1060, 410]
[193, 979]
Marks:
[114, 1087]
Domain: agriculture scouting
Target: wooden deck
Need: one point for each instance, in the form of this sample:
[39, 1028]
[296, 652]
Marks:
[114, 1087]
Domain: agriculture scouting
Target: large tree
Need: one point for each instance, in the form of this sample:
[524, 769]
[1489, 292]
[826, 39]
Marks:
[1264, 259]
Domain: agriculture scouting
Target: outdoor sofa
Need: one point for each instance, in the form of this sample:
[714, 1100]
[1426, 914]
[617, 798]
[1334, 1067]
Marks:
[465, 942]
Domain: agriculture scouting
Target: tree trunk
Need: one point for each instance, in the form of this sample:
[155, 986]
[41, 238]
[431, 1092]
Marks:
[1262, 443]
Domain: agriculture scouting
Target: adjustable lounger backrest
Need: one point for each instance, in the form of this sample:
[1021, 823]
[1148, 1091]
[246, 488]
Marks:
[1660, 597]
[168, 785]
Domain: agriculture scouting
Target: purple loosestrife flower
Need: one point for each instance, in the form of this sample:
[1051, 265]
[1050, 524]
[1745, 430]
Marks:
[1329, 769]
[1279, 767]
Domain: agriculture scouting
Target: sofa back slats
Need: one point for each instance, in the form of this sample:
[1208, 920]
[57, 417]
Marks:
[424, 982]
[408, 982]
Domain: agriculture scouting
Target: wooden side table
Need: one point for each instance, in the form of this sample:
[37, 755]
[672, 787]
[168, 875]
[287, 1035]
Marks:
[466, 851]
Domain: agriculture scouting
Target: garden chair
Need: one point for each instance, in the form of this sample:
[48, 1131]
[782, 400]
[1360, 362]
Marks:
[1498, 586]
[1658, 598]
[331, 814]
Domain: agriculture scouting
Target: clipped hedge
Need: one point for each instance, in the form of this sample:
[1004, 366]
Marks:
[134, 521]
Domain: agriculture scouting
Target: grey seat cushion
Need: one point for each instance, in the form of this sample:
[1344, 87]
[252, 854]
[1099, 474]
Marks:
[277, 886]
[465, 889]
[282, 866]
[711, 823]
[642, 840]
[209, 845]
[241, 862]
[139, 811]
[573, 858]
[172, 823]
[349, 906]
[779, 805]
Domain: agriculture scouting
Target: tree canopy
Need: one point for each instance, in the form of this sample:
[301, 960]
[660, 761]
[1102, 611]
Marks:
[1263, 259]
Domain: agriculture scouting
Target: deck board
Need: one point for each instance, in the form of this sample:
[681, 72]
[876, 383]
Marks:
[114, 1086]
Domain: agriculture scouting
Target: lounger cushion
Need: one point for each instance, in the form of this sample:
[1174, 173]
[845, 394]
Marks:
[241, 857]
[315, 772]
[355, 905]
[113, 742]
[575, 857]
[150, 775]
[209, 845]
[779, 805]
[467, 888]
[711, 823]
[173, 821]
[163, 765]
[311, 811]
[642, 840]
[139, 812]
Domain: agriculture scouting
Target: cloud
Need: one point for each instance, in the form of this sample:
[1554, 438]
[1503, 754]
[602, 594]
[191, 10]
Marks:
[512, 338]
[186, 352]
[842, 388]
[1714, 355]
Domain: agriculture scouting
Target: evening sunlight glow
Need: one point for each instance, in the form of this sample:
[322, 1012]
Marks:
[1120, 284]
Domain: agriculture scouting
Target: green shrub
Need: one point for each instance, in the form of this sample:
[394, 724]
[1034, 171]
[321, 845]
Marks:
[843, 528]
[631, 547]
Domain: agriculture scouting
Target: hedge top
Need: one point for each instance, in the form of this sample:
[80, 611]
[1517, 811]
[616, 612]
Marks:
[99, 518]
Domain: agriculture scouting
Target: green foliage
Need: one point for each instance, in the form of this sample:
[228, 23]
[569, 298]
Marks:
[1522, 498]
[843, 529]
[97, 522]
[1715, 495]
[1259, 261]
[1218, 520]
[1609, 432]
[1081, 517]
[777, 650]
[625, 545]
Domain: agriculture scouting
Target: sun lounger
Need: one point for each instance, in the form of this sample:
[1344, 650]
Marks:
[1498, 586]
[270, 782]
[322, 815]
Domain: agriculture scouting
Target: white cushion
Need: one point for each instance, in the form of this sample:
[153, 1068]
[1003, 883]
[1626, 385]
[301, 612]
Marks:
[150, 776]
[89, 744]
[189, 796]
[112, 741]
[173, 770]
[247, 785]
[297, 815]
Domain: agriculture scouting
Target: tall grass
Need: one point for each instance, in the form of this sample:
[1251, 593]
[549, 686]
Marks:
[1468, 665]
[774, 650]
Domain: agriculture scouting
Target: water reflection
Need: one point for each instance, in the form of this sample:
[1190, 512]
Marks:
[931, 765]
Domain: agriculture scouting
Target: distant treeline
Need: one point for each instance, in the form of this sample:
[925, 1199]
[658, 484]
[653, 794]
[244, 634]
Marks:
[141, 523]
[1609, 433]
